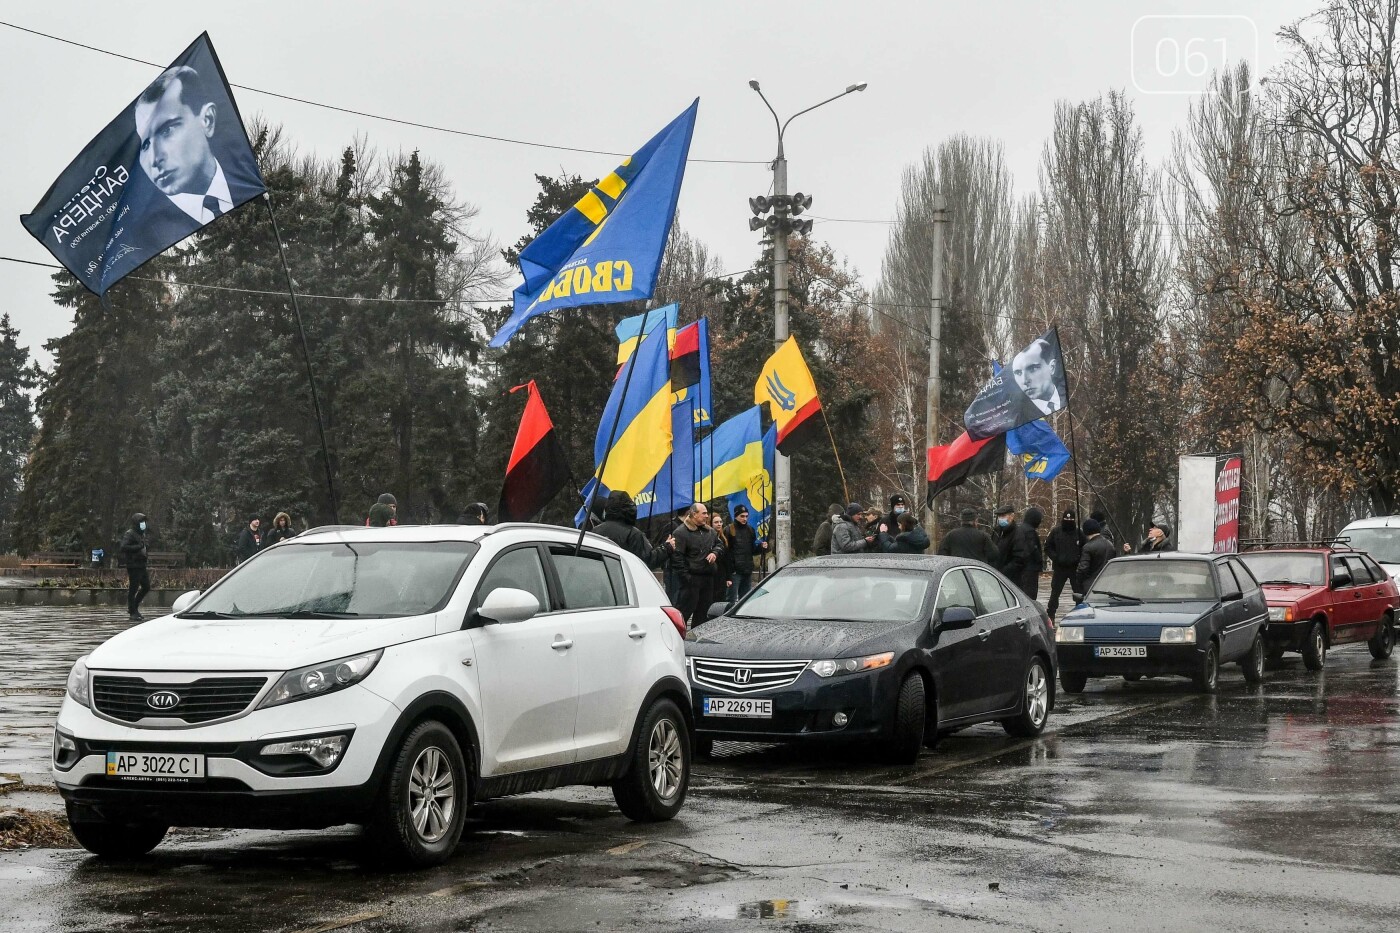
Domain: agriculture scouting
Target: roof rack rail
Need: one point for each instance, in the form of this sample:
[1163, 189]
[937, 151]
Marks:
[1340, 542]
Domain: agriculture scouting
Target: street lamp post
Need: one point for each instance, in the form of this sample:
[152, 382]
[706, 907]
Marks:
[779, 226]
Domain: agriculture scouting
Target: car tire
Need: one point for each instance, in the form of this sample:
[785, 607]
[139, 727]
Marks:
[704, 748]
[1315, 648]
[1207, 676]
[1035, 703]
[1252, 664]
[420, 812]
[907, 726]
[112, 840]
[1384, 641]
[658, 769]
[1073, 683]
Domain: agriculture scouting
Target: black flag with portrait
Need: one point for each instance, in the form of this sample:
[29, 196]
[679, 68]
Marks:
[1032, 388]
[175, 159]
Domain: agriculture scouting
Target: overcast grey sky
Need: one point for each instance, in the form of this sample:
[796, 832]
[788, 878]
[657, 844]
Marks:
[609, 75]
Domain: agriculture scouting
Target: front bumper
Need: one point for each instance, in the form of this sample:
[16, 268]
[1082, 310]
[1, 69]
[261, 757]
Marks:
[243, 789]
[1289, 636]
[804, 710]
[1160, 659]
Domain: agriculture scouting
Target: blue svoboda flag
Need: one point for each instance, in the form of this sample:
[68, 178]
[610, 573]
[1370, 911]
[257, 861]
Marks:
[607, 248]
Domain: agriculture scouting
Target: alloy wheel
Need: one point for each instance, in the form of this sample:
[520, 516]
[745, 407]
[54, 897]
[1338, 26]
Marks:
[665, 759]
[1037, 694]
[432, 794]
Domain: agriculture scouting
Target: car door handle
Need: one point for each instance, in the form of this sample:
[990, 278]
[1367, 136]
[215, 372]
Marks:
[636, 634]
[984, 634]
[560, 642]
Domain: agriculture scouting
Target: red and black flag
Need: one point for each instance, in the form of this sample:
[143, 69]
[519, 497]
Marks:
[537, 468]
[951, 464]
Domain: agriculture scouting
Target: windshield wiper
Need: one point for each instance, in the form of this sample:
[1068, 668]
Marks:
[205, 614]
[1284, 583]
[1119, 597]
[297, 614]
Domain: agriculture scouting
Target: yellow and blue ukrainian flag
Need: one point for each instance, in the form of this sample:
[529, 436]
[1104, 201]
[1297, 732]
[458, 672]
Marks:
[730, 456]
[629, 330]
[758, 495]
[607, 247]
[641, 409]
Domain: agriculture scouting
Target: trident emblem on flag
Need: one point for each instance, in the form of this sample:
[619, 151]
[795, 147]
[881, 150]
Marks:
[785, 397]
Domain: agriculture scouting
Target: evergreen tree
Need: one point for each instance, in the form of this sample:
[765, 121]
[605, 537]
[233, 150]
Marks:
[17, 378]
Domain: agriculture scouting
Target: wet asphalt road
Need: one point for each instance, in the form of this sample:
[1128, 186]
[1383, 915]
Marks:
[1274, 807]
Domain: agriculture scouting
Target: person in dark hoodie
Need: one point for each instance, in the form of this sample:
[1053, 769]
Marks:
[1030, 528]
[821, 541]
[911, 538]
[968, 541]
[1019, 556]
[620, 527]
[744, 546]
[899, 504]
[1097, 551]
[249, 540]
[1063, 546]
[138, 576]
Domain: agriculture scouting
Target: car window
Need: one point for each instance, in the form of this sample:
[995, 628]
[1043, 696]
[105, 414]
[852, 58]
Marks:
[1281, 567]
[988, 591]
[1358, 570]
[1248, 585]
[519, 569]
[1339, 567]
[850, 594]
[1157, 580]
[955, 591]
[1226, 578]
[1381, 543]
[584, 581]
[1377, 571]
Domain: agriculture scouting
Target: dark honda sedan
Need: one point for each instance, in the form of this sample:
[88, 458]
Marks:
[1172, 613]
[897, 649]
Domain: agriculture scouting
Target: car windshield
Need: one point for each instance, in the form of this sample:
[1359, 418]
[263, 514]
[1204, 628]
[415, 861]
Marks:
[1152, 581]
[1381, 543]
[846, 594]
[335, 580]
[1285, 567]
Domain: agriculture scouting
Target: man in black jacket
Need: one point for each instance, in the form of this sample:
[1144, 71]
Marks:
[898, 506]
[249, 540]
[1063, 546]
[695, 551]
[1097, 551]
[744, 546]
[1018, 550]
[968, 541]
[138, 577]
[620, 527]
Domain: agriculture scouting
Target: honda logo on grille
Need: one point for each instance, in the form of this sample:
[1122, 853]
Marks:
[163, 699]
[742, 675]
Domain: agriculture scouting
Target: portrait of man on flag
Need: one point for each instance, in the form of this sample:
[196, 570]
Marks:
[1036, 388]
[175, 159]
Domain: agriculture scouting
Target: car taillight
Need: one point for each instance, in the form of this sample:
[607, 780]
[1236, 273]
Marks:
[676, 618]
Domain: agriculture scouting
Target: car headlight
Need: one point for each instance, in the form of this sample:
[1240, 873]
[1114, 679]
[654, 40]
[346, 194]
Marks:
[324, 750]
[1184, 635]
[1070, 633]
[1280, 613]
[321, 678]
[830, 667]
[78, 682]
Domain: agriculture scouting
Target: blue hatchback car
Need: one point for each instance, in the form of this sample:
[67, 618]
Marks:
[1172, 613]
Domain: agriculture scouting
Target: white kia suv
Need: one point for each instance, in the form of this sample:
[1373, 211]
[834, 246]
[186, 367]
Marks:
[382, 676]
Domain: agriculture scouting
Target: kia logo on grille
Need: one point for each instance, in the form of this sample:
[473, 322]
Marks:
[742, 675]
[163, 699]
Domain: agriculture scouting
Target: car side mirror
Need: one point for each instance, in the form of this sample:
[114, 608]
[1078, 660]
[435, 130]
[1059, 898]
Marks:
[1232, 596]
[1340, 580]
[507, 605]
[184, 601]
[716, 610]
[956, 617]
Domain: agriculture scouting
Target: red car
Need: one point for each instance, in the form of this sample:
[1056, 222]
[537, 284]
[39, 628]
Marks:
[1321, 597]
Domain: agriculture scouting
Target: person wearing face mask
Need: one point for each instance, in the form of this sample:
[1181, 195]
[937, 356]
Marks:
[138, 576]
[1018, 550]
[898, 506]
[1064, 546]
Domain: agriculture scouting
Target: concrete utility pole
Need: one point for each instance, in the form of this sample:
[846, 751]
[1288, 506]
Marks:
[935, 344]
[779, 226]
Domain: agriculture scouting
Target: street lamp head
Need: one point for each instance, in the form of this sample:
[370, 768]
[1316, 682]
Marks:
[850, 90]
[754, 85]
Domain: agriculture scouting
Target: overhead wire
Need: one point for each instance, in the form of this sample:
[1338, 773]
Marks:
[375, 116]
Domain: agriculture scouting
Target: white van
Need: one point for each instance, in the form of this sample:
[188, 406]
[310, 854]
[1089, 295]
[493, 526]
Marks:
[1379, 537]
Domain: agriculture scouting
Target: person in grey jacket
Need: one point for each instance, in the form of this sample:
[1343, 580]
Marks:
[847, 536]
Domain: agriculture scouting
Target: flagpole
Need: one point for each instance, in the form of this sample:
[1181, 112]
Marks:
[612, 435]
[306, 355]
[1069, 410]
[845, 490]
